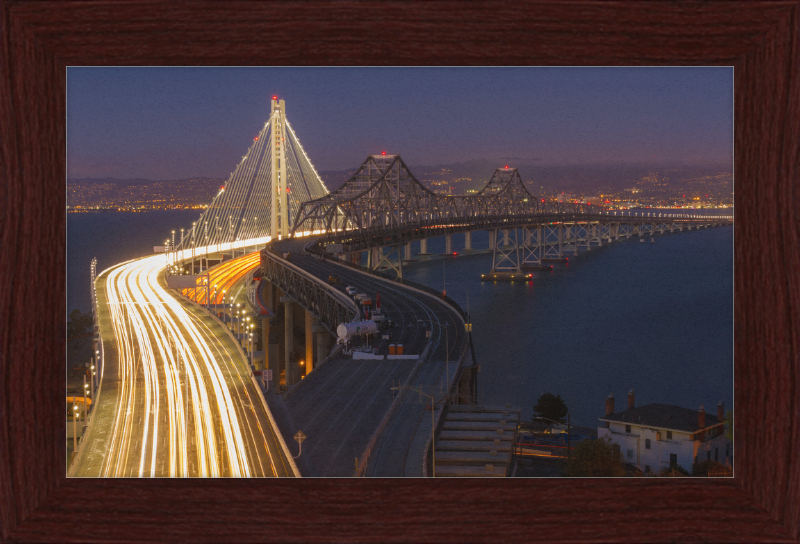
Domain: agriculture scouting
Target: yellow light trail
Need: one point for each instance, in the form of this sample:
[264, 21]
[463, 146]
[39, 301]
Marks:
[176, 409]
[224, 276]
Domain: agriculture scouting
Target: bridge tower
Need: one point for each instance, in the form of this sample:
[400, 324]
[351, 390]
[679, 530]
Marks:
[280, 209]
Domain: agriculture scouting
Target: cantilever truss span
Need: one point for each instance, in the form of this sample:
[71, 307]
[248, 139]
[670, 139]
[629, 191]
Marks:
[263, 193]
[384, 193]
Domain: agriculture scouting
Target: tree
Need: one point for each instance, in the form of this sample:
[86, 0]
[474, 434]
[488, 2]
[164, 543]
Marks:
[595, 458]
[550, 406]
[729, 425]
[79, 324]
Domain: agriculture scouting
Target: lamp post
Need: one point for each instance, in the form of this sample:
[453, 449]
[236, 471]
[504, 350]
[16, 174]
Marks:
[74, 430]
[192, 239]
[85, 405]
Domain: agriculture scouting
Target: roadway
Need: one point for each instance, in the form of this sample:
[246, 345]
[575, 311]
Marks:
[177, 398]
[340, 404]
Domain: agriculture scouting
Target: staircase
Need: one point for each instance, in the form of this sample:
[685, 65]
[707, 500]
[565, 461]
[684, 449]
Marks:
[476, 444]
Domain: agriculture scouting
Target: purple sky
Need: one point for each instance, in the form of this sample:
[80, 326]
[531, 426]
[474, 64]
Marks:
[172, 123]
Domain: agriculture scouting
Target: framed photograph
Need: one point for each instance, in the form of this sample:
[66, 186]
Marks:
[761, 41]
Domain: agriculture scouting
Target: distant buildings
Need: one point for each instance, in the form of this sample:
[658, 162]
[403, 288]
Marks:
[656, 436]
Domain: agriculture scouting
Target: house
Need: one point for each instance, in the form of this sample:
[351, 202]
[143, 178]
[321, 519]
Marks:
[656, 436]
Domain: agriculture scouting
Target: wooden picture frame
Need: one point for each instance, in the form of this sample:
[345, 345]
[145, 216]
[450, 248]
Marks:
[760, 39]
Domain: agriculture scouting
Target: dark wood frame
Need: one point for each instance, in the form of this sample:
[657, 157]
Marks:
[39, 39]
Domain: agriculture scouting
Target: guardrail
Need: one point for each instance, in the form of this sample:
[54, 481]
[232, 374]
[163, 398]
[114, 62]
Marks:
[439, 420]
[359, 239]
[393, 279]
[96, 374]
[361, 467]
[308, 290]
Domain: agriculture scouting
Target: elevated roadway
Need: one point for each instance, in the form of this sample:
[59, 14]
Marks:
[340, 405]
[177, 398]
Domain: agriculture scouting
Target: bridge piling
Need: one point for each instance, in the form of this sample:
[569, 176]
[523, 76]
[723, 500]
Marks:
[467, 241]
[322, 350]
[265, 341]
[448, 244]
[288, 336]
[407, 251]
[423, 246]
[309, 361]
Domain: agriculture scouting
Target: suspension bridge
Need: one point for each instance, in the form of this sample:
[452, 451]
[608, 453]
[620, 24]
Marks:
[186, 340]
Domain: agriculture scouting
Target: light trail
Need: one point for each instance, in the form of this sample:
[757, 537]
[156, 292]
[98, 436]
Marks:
[181, 411]
[224, 276]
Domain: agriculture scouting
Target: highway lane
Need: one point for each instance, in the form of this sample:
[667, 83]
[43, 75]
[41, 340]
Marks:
[340, 408]
[412, 311]
[186, 404]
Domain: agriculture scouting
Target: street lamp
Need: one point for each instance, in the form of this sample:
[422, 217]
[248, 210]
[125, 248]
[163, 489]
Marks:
[74, 430]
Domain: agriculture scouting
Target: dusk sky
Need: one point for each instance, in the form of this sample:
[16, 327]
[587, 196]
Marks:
[173, 123]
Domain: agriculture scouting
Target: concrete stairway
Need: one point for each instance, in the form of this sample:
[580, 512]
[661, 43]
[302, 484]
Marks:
[476, 444]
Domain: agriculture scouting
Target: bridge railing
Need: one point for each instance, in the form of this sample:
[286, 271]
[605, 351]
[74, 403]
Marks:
[329, 305]
[394, 279]
[385, 235]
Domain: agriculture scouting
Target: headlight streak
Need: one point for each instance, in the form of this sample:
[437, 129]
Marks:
[152, 328]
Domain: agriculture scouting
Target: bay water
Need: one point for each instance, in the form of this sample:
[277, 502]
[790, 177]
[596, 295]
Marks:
[653, 317]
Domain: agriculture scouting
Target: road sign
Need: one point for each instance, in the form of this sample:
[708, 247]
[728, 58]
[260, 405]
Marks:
[299, 437]
[266, 375]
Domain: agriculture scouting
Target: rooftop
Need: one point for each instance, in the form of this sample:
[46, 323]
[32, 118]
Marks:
[664, 416]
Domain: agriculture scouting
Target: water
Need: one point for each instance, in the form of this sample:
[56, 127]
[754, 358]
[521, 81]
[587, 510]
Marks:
[657, 318]
[114, 237]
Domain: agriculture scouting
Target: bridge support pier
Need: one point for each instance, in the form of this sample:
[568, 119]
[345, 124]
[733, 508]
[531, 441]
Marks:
[467, 241]
[265, 341]
[322, 348]
[448, 244]
[288, 336]
[423, 246]
[309, 360]
[492, 239]
[407, 251]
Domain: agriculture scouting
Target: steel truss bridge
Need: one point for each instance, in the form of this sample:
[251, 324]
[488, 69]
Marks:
[384, 206]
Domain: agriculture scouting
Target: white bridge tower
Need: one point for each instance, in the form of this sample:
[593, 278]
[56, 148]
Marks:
[280, 210]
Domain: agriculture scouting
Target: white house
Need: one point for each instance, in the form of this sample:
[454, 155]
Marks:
[656, 436]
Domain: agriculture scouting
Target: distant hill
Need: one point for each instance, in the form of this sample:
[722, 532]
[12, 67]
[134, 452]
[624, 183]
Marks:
[134, 182]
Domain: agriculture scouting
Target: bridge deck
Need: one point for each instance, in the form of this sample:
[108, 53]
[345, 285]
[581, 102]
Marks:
[340, 404]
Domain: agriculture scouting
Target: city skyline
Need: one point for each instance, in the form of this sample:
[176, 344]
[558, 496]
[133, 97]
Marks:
[173, 123]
